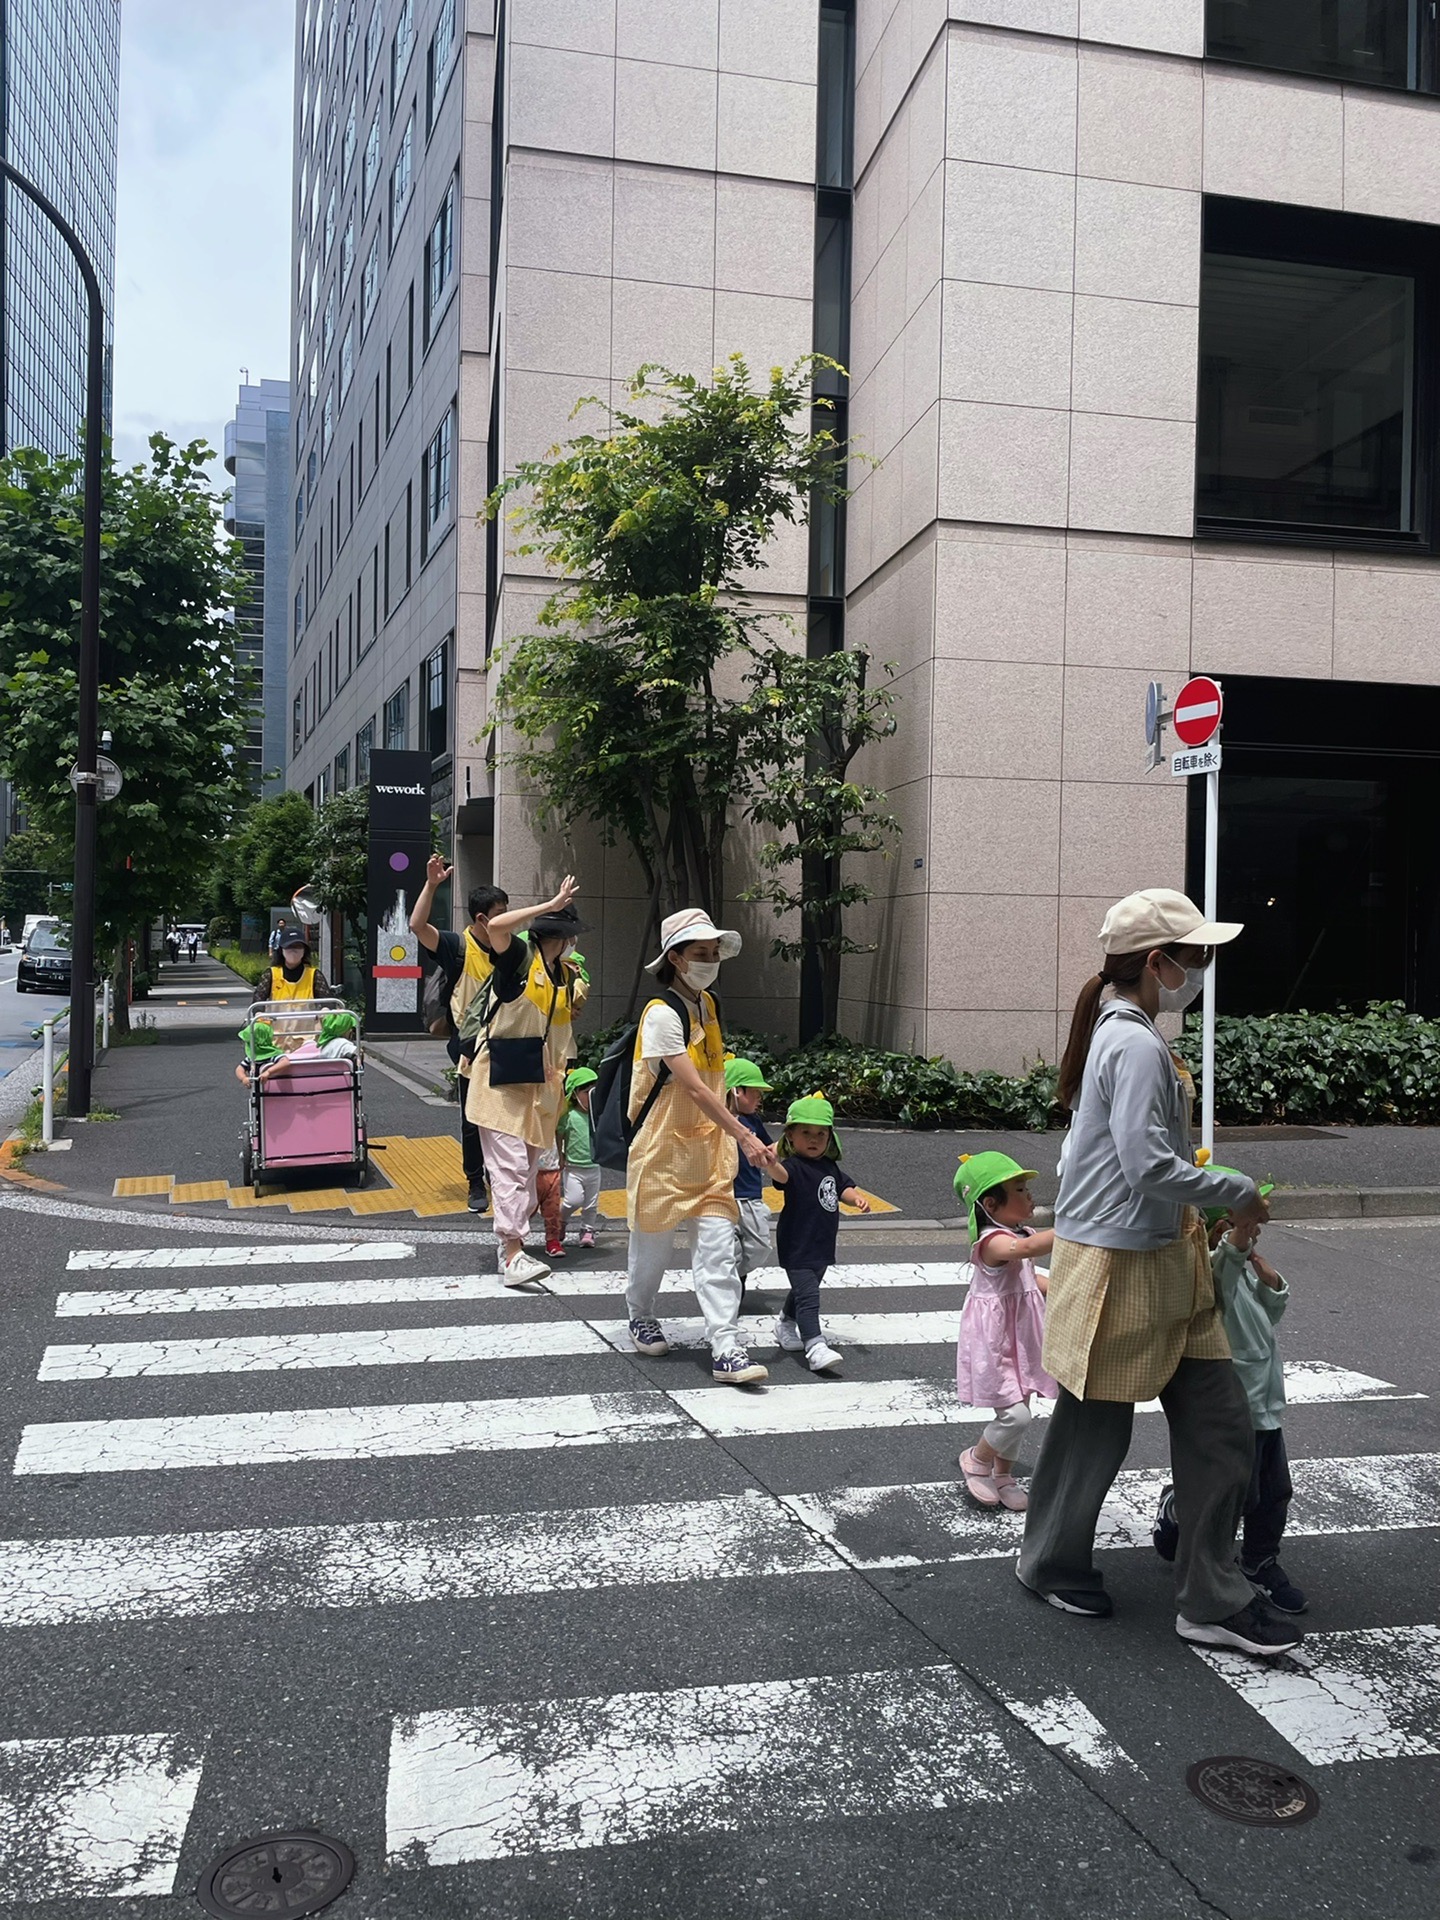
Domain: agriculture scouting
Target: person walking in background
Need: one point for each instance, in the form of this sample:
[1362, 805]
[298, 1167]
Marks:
[1002, 1324]
[466, 961]
[520, 1046]
[1131, 1311]
[682, 1161]
[814, 1184]
[582, 1176]
[1253, 1299]
[745, 1091]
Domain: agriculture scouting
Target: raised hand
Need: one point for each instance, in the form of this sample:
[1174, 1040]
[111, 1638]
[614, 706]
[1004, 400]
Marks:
[436, 871]
[569, 887]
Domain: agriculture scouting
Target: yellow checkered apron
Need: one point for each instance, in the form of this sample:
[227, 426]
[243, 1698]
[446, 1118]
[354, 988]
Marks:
[1118, 1321]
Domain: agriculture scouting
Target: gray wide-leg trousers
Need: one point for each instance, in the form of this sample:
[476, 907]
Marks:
[1212, 1448]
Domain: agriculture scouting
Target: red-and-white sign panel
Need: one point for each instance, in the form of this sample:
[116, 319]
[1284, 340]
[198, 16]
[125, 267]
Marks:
[1196, 715]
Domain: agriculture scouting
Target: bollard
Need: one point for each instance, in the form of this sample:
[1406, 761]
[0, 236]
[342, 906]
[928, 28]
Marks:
[105, 1016]
[47, 1131]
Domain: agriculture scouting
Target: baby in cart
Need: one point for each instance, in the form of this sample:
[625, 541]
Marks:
[269, 1053]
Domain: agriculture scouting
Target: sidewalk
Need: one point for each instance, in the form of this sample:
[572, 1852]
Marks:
[177, 1141]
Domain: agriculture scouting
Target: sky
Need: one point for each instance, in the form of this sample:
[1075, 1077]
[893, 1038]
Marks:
[202, 252]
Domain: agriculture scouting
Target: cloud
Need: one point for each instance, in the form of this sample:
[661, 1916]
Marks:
[202, 269]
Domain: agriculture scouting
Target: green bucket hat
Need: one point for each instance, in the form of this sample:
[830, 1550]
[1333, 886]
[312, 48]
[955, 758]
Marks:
[744, 1073]
[814, 1110]
[260, 1043]
[337, 1026]
[580, 1077]
[1212, 1214]
[978, 1173]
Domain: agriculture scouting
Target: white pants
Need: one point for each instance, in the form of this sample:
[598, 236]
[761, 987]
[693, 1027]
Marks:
[1007, 1429]
[753, 1248]
[713, 1274]
[582, 1195]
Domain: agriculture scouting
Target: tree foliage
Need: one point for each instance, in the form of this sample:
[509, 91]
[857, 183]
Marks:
[811, 717]
[171, 694]
[653, 522]
[340, 851]
[34, 878]
[268, 856]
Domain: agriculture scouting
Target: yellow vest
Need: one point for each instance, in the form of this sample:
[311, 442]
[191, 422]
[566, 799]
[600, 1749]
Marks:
[682, 1164]
[283, 989]
[529, 1113]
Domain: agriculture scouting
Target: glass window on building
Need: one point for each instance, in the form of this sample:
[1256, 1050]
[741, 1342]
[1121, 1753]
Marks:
[364, 744]
[299, 612]
[352, 31]
[332, 130]
[330, 223]
[314, 291]
[327, 423]
[322, 786]
[315, 203]
[437, 61]
[435, 702]
[402, 179]
[374, 33]
[331, 28]
[835, 98]
[342, 770]
[299, 515]
[295, 725]
[347, 250]
[397, 719]
[1389, 43]
[370, 284]
[1308, 415]
[327, 332]
[347, 357]
[370, 173]
[402, 45]
[312, 473]
[435, 485]
[439, 259]
[347, 150]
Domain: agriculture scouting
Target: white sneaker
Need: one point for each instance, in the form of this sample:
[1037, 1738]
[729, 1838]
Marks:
[787, 1335]
[820, 1358]
[521, 1268]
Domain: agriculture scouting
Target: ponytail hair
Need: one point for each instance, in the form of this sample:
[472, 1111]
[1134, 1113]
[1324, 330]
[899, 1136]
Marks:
[1120, 970]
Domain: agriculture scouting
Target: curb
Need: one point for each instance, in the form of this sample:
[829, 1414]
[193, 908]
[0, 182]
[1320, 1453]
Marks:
[1353, 1203]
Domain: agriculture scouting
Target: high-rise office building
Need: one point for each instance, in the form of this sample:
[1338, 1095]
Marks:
[257, 455]
[1139, 303]
[59, 126]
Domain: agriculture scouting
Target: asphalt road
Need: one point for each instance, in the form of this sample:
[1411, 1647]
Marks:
[21, 1014]
[538, 1627]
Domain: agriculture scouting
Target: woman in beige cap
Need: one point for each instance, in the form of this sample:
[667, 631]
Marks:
[682, 1161]
[1131, 1312]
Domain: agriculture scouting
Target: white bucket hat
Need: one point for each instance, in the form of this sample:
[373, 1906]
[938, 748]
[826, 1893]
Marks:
[693, 923]
[1161, 917]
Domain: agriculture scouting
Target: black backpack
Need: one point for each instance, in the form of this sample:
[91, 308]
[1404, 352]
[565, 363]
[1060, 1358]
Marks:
[612, 1133]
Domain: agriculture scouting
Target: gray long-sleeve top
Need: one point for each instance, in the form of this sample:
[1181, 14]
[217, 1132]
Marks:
[1127, 1170]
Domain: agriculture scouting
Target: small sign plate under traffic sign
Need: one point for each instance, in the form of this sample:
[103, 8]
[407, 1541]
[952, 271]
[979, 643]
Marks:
[1194, 760]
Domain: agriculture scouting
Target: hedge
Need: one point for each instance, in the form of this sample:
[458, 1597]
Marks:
[1378, 1066]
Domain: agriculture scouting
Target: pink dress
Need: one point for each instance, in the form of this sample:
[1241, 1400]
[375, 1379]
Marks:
[1002, 1329]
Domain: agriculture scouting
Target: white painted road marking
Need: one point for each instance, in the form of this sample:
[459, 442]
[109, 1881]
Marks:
[1064, 1722]
[864, 1329]
[269, 1253]
[349, 1433]
[100, 1816]
[295, 1352]
[520, 1778]
[813, 1406]
[925, 1273]
[1372, 1694]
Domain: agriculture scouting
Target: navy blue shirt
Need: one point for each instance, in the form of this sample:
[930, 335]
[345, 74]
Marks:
[750, 1181]
[810, 1217]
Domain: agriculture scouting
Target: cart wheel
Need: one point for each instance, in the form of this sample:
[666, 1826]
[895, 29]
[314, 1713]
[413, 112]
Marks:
[362, 1170]
[247, 1164]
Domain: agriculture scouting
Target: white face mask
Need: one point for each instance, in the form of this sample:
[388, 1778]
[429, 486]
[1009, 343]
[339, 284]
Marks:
[1177, 999]
[701, 973]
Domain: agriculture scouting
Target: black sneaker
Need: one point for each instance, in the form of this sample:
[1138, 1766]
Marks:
[1091, 1602]
[1165, 1534]
[1271, 1580]
[648, 1337]
[1253, 1630]
[478, 1199]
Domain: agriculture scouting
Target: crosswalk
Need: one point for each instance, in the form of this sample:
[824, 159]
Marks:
[604, 1481]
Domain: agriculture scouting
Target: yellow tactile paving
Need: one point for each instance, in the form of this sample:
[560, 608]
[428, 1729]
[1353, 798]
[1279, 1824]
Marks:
[319, 1200]
[199, 1190]
[143, 1183]
[247, 1197]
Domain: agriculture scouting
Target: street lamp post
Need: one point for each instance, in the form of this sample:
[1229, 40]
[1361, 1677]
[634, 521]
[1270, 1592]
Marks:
[82, 922]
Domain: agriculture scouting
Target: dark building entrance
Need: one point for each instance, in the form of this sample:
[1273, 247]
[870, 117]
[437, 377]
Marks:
[1329, 844]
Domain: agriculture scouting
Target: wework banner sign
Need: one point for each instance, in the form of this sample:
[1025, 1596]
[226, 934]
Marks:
[399, 848]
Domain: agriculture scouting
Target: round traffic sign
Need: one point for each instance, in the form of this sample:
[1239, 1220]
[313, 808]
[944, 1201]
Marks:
[1198, 707]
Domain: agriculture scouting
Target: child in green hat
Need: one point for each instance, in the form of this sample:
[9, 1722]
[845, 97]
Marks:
[1002, 1324]
[577, 1144]
[814, 1184]
[745, 1091]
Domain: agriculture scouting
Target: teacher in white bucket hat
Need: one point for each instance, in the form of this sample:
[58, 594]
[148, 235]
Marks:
[682, 1161]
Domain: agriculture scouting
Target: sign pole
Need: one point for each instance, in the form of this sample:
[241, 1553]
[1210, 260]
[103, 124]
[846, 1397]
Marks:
[1212, 907]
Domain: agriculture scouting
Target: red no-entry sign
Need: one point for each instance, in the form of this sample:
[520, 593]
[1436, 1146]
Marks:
[1196, 715]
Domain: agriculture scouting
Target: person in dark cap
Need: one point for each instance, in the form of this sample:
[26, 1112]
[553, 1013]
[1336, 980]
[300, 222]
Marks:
[292, 974]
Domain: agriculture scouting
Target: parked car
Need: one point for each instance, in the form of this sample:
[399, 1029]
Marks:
[45, 961]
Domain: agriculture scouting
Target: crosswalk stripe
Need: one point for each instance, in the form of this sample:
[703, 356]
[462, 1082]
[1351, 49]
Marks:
[490, 1783]
[131, 1577]
[350, 1433]
[1064, 1722]
[102, 1815]
[406, 1290]
[758, 1331]
[297, 1352]
[263, 1253]
[554, 1420]
[1367, 1694]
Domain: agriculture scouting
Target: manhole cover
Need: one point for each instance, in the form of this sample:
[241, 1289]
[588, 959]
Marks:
[278, 1873]
[1256, 1792]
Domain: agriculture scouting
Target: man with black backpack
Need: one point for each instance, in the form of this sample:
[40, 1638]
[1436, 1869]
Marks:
[462, 964]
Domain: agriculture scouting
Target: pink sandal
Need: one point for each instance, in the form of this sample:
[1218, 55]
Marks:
[1009, 1491]
[979, 1481]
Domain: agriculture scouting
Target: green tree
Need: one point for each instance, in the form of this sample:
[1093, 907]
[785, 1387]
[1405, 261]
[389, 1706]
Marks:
[270, 854]
[653, 522]
[171, 693]
[34, 878]
[812, 716]
[341, 852]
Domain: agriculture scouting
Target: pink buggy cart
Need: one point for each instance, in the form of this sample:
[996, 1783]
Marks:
[310, 1115]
